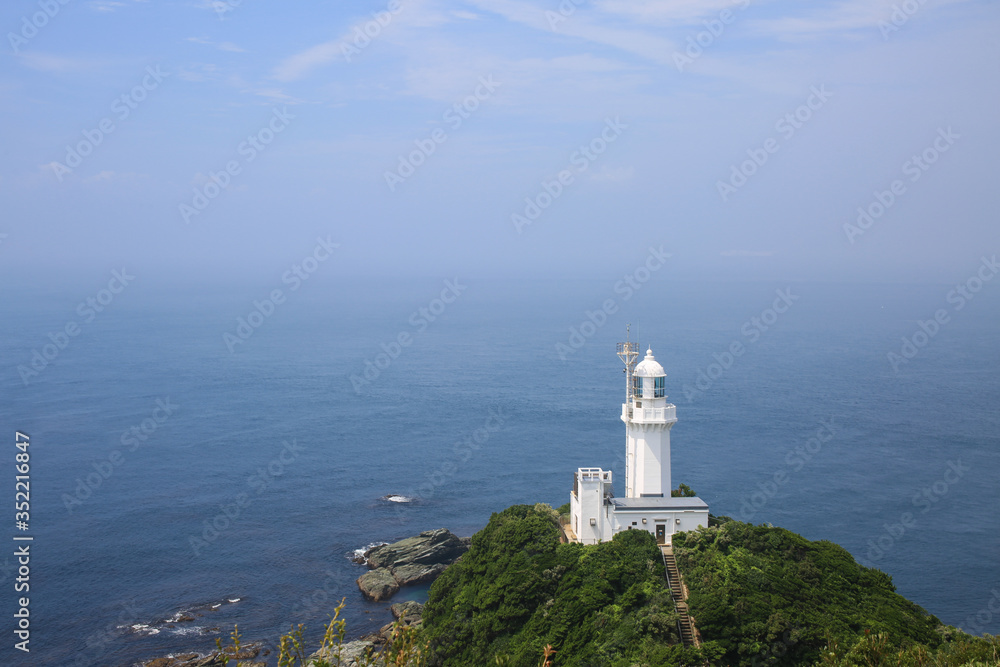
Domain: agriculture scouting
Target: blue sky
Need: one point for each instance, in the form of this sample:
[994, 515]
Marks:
[666, 120]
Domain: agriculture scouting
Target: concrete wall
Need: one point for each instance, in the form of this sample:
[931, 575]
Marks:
[689, 520]
[591, 507]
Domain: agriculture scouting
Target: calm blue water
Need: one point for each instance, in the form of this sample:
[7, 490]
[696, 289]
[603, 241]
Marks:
[123, 556]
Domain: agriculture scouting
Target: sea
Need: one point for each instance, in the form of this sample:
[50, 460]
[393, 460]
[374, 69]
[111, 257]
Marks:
[206, 457]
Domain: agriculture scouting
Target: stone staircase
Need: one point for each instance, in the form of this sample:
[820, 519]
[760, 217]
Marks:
[688, 632]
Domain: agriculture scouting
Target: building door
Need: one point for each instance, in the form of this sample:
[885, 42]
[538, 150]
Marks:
[661, 534]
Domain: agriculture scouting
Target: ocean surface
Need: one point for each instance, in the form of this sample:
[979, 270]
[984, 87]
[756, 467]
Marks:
[252, 475]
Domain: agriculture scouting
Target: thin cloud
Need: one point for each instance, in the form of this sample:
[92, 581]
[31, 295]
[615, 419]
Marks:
[274, 95]
[668, 12]
[843, 17]
[107, 6]
[421, 14]
[583, 25]
[297, 66]
[222, 46]
[49, 62]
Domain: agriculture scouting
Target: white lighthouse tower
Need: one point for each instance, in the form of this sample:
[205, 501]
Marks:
[595, 513]
[648, 418]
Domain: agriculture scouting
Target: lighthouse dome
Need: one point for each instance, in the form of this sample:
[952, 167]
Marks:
[649, 367]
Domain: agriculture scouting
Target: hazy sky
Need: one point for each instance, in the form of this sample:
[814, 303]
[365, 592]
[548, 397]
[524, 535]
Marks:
[339, 119]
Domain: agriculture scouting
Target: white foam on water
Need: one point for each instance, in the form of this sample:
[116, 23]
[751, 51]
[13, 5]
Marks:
[359, 554]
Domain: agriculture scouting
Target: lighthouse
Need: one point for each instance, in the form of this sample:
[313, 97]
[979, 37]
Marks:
[596, 514]
[648, 418]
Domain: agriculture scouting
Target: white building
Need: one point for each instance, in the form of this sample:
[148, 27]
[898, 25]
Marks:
[595, 513]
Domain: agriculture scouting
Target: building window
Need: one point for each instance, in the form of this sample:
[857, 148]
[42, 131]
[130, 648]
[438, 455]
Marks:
[659, 387]
[637, 386]
[634, 523]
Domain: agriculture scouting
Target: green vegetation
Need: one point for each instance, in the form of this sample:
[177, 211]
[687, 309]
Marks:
[402, 650]
[518, 590]
[760, 596]
[958, 650]
[683, 491]
[771, 597]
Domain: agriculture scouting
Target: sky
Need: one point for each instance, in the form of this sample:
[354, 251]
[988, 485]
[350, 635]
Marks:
[845, 140]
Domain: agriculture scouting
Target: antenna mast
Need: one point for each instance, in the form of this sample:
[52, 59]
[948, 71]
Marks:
[628, 352]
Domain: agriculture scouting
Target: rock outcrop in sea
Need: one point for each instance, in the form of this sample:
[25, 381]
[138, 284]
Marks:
[411, 561]
[213, 659]
[406, 613]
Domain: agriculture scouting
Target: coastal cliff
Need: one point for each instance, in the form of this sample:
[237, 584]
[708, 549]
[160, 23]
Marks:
[759, 595]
